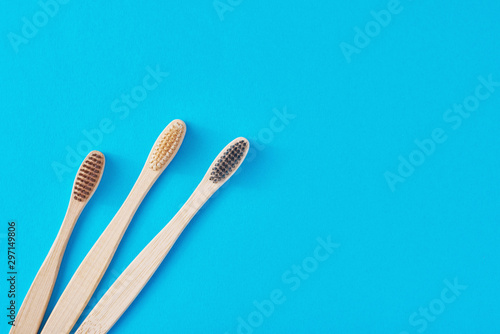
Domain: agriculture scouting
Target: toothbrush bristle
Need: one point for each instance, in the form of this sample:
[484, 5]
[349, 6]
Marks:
[88, 176]
[166, 145]
[229, 161]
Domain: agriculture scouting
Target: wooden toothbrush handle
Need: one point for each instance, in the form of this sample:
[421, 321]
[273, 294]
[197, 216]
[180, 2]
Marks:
[35, 303]
[82, 285]
[130, 283]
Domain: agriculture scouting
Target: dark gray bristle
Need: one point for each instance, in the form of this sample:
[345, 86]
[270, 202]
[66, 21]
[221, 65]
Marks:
[87, 177]
[228, 161]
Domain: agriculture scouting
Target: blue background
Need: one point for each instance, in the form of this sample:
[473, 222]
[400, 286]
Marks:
[323, 174]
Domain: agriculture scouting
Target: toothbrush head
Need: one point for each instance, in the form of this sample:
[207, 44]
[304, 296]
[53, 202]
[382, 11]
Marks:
[229, 160]
[88, 176]
[167, 145]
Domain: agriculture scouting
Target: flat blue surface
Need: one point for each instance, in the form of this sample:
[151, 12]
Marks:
[355, 135]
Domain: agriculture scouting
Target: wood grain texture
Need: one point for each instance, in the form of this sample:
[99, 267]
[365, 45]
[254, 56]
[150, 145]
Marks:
[130, 283]
[35, 303]
[90, 272]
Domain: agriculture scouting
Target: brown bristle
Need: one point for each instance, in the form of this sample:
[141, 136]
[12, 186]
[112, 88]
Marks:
[88, 176]
[228, 162]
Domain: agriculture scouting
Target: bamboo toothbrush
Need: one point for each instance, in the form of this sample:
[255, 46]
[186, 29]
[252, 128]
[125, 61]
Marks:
[130, 283]
[88, 275]
[33, 307]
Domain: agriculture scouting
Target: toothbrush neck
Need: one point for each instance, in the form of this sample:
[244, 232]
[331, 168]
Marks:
[72, 213]
[141, 187]
[199, 197]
